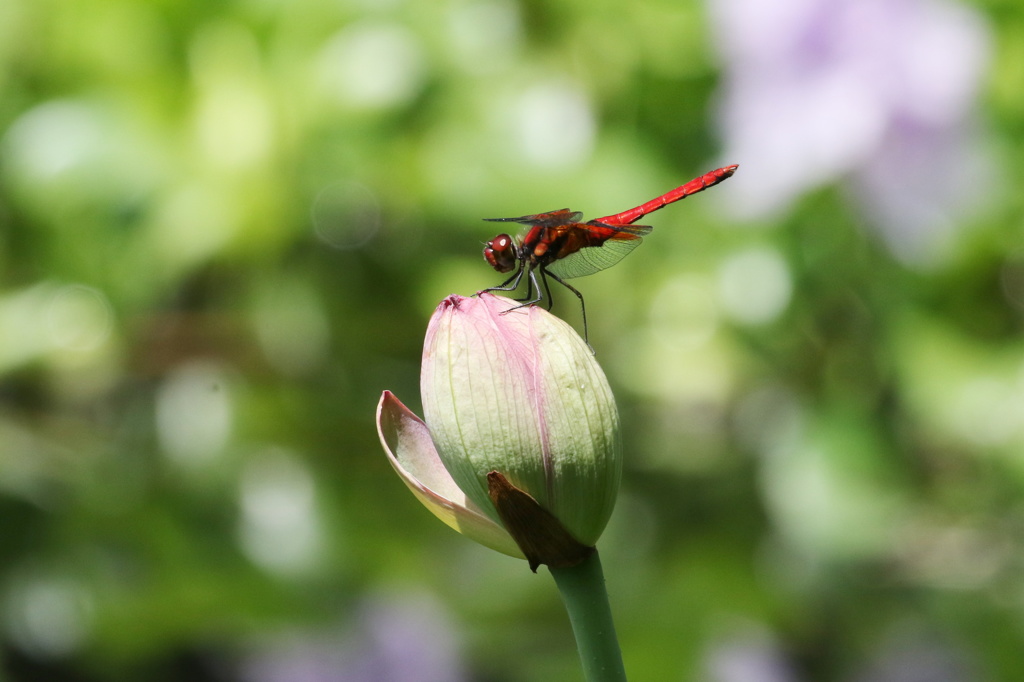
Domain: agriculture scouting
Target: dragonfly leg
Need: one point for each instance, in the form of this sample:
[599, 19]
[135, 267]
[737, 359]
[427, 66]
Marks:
[529, 299]
[531, 282]
[547, 289]
[513, 282]
[583, 305]
[510, 284]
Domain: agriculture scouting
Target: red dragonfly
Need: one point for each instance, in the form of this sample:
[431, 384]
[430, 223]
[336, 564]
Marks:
[559, 246]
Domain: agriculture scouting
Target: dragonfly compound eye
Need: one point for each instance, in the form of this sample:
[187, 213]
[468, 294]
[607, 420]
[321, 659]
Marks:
[500, 252]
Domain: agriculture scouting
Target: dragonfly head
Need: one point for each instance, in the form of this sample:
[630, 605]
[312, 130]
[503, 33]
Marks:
[501, 253]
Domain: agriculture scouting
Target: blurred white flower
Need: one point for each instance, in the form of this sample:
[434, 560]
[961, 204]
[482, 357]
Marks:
[877, 92]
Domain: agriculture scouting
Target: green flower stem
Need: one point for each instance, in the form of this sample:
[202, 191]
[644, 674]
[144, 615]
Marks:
[586, 600]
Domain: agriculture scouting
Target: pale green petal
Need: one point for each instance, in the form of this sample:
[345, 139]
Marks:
[582, 429]
[411, 452]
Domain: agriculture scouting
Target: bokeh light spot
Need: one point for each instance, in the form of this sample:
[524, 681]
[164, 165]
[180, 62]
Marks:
[345, 215]
[554, 125]
[373, 65]
[484, 34]
[194, 414]
[53, 138]
[754, 285]
[280, 529]
[233, 117]
[683, 313]
[193, 222]
[234, 126]
[988, 411]
[79, 318]
[291, 326]
[46, 616]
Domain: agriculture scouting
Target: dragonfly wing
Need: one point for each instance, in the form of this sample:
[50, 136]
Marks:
[591, 259]
[562, 216]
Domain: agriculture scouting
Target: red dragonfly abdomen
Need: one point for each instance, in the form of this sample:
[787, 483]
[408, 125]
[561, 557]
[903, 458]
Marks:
[692, 187]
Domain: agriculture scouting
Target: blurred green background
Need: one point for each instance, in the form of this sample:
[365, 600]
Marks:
[224, 226]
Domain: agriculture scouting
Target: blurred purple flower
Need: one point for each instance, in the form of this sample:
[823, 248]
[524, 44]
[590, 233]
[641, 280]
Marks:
[877, 92]
[751, 655]
[399, 638]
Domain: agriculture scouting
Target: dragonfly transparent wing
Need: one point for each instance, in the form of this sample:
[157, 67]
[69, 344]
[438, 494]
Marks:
[557, 218]
[591, 259]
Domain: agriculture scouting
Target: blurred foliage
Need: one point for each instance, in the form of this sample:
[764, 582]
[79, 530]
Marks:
[223, 227]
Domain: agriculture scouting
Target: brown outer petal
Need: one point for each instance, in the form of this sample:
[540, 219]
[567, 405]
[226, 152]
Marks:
[541, 536]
